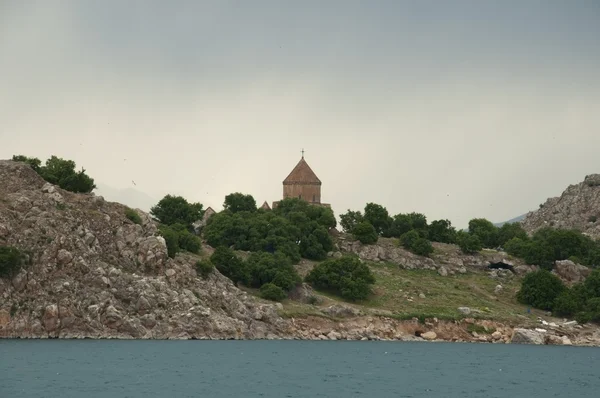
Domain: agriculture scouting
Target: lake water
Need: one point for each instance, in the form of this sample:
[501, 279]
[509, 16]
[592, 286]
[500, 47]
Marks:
[132, 369]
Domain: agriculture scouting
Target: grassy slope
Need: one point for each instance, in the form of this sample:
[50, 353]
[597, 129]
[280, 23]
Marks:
[396, 294]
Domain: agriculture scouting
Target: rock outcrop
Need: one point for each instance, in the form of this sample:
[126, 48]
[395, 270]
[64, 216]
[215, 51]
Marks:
[578, 207]
[94, 273]
[570, 272]
[446, 260]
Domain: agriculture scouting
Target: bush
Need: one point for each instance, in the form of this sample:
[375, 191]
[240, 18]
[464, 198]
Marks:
[11, 260]
[486, 232]
[469, 244]
[422, 247]
[264, 268]
[346, 276]
[177, 210]
[270, 291]
[365, 233]
[350, 220]
[237, 201]
[204, 268]
[230, 265]
[60, 172]
[441, 231]
[540, 289]
[178, 238]
[133, 216]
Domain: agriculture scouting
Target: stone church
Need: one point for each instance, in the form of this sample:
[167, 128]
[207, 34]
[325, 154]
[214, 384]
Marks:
[302, 183]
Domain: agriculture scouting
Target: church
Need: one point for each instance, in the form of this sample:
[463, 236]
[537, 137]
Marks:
[301, 183]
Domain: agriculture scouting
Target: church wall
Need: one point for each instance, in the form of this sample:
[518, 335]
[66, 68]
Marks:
[308, 192]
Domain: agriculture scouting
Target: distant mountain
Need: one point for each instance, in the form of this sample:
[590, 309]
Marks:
[129, 196]
[512, 220]
[578, 207]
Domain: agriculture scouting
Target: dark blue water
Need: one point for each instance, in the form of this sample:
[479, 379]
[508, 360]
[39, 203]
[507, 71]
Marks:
[108, 368]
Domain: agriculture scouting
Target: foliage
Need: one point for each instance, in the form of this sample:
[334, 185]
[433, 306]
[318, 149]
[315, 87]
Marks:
[549, 245]
[378, 216]
[270, 291]
[11, 260]
[403, 223]
[415, 243]
[485, 231]
[204, 268]
[469, 244]
[177, 210]
[236, 202]
[275, 268]
[510, 231]
[230, 265]
[294, 228]
[441, 231]
[60, 172]
[365, 233]
[350, 220]
[133, 216]
[178, 238]
[346, 276]
[539, 289]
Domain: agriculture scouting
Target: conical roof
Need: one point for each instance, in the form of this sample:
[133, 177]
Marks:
[302, 174]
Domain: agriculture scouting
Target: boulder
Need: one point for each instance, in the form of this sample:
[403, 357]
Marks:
[570, 272]
[464, 310]
[431, 335]
[527, 336]
[341, 311]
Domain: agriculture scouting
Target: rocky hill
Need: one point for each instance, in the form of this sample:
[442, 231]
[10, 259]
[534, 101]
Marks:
[92, 272]
[95, 273]
[578, 207]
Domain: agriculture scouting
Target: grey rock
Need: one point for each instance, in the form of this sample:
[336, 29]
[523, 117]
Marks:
[527, 336]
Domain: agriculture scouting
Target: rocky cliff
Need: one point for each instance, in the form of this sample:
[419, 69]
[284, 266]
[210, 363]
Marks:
[578, 207]
[94, 273]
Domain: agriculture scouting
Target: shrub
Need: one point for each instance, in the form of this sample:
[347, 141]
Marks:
[346, 276]
[469, 244]
[270, 291]
[365, 233]
[178, 238]
[422, 247]
[540, 289]
[275, 268]
[377, 216]
[230, 265]
[133, 216]
[11, 260]
[204, 268]
[60, 172]
[350, 220]
[486, 232]
[441, 231]
[237, 201]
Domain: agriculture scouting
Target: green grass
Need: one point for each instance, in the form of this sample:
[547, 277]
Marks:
[133, 216]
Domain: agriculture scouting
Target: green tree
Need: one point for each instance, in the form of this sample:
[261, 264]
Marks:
[442, 231]
[11, 261]
[270, 291]
[60, 172]
[413, 242]
[540, 289]
[485, 231]
[469, 244]
[365, 233]
[177, 210]
[378, 216]
[510, 231]
[346, 276]
[350, 219]
[236, 202]
[274, 268]
[230, 265]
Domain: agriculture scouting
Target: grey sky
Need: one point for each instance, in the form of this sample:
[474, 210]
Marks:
[457, 109]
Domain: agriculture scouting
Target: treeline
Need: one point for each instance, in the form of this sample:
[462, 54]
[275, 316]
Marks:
[546, 246]
[544, 290]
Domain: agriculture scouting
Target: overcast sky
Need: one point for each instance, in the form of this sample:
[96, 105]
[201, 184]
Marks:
[456, 109]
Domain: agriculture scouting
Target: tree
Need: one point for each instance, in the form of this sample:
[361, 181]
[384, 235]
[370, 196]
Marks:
[230, 265]
[274, 268]
[415, 243]
[510, 231]
[365, 233]
[441, 231]
[378, 216]
[176, 210]
[236, 202]
[469, 244]
[350, 219]
[540, 289]
[270, 291]
[346, 276]
[35, 163]
[485, 231]
[11, 260]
